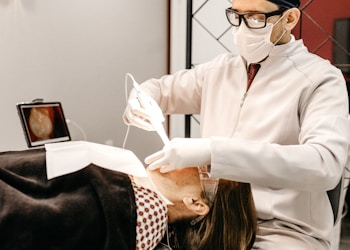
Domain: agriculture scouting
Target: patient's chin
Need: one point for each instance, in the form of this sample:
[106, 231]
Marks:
[160, 179]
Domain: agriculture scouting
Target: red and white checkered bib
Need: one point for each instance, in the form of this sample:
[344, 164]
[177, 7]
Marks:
[152, 218]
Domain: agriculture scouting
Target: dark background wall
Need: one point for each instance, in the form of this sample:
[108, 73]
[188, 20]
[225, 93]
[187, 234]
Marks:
[316, 31]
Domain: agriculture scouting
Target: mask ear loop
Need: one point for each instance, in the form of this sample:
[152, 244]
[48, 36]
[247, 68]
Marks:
[284, 30]
[279, 39]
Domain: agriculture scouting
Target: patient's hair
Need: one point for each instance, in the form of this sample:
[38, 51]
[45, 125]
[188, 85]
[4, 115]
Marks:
[230, 224]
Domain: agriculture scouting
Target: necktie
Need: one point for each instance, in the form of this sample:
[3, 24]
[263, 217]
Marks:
[252, 70]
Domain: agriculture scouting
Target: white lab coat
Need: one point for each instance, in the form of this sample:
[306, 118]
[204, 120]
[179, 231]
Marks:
[288, 136]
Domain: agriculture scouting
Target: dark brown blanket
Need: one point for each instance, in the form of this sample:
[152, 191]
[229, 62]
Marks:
[91, 209]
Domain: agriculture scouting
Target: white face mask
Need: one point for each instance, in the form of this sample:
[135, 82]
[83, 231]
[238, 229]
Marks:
[254, 45]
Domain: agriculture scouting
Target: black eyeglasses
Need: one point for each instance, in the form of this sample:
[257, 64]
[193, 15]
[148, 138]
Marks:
[254, 20]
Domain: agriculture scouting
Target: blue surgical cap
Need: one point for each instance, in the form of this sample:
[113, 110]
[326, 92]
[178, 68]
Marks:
[287, 3]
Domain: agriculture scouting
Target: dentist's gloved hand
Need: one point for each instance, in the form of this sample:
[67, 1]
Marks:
[181, 153]
[136, 115]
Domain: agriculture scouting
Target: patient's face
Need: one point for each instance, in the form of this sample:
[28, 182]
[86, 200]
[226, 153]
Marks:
[175, 185]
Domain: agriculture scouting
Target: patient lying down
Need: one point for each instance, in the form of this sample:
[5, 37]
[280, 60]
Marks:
[96, 208]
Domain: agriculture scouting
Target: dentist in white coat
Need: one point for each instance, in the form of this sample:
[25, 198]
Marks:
[286, 134]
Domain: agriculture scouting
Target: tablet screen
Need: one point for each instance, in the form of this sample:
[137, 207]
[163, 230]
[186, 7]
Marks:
[43, 123]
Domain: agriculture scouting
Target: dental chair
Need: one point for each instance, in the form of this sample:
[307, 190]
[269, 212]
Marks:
[337, 199]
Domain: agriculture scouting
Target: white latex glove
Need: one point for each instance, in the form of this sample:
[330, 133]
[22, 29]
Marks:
[136, 115]
[181, 153]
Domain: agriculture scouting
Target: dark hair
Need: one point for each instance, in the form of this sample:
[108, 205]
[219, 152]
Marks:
[286, 3]
[230, 224]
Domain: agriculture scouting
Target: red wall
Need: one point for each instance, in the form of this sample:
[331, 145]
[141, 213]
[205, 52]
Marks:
[323, 12]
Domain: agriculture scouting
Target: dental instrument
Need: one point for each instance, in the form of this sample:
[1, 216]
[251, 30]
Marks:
[154, 110]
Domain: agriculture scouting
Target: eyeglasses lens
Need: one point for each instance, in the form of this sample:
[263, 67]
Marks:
[254, 21]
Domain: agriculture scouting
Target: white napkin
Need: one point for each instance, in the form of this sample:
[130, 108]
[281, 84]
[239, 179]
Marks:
[68, 157]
